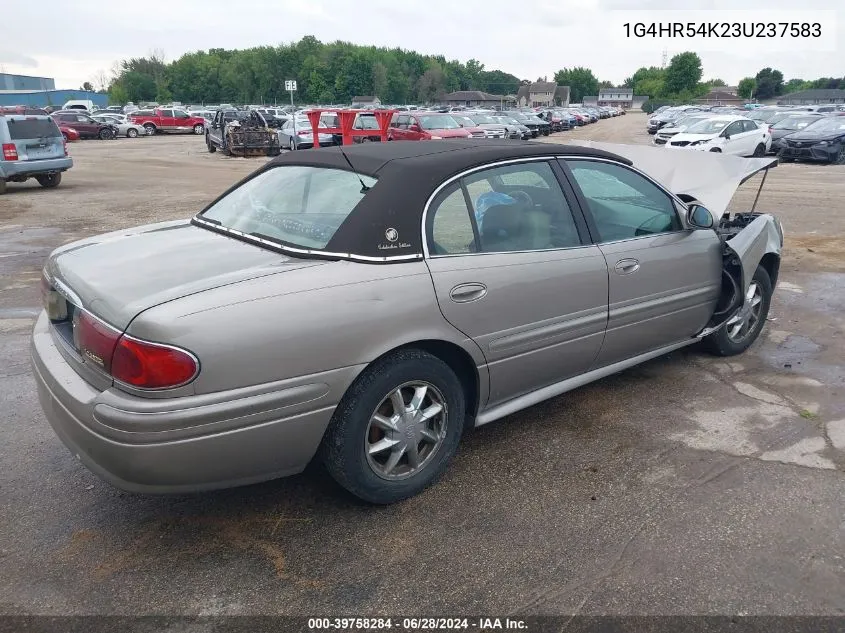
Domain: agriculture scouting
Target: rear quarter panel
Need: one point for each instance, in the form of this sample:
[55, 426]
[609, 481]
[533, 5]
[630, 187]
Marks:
[341, 314]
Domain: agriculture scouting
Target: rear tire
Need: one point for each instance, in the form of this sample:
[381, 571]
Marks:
[211, 147]
[199, 129]
[49, 181]
[738, 334]
[2, 186]
[347, 447]
[759, 151]
[840, 158]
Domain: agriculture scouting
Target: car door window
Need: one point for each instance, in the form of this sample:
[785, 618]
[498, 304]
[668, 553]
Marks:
[513, 208]
[167, 113]
[734, 128]
[451, 231]
[403, 121]
[749, 126]
[84, 119]
[623, 204]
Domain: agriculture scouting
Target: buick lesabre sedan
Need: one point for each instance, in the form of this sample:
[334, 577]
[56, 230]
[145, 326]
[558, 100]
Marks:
[366, 305]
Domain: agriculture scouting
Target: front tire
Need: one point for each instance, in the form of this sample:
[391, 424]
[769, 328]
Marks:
[840, 157]
[49, 181]
[132, 133]
[150, 128]
[745, 326]
[106, 134]
[396, 428]
[2, 186]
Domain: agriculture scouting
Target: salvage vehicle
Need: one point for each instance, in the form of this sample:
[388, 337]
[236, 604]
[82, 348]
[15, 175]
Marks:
[677, 126]
[492, 128]
[470, 126]
[32, 147]
[367, 304]
[725, 134]
[424, 126]
[823, 141]
[297, 133]
[241, 133]
[85, 126]
[168, 120]
[790, 124]
[366, 122]
[124, 128]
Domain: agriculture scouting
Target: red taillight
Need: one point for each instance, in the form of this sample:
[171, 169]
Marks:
[10, 152]
[132, 361]
[96, 340]
[150, 365]
[64, 145]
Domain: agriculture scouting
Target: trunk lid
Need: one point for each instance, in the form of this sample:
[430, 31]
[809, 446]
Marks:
[118, 275]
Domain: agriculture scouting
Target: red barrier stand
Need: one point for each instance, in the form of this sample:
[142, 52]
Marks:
[346, 118]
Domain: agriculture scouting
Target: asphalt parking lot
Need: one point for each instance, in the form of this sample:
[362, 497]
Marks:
[688, 485]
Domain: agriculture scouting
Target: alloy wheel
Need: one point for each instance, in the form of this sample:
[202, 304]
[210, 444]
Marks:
[406, 430]
[743, 323]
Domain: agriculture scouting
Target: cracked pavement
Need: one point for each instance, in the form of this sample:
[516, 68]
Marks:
[688, 485]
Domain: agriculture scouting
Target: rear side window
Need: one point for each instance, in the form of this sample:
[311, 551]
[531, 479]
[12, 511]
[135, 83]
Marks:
[32, 128]
[292, 204]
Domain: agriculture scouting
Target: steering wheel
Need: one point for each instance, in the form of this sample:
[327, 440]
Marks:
[642, 229]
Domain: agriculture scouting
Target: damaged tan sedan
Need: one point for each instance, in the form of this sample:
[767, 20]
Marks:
[366, 305]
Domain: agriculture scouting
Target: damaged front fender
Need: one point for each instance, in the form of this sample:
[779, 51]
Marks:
[747, 238]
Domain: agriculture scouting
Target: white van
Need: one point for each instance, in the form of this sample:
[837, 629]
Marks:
[79, 104]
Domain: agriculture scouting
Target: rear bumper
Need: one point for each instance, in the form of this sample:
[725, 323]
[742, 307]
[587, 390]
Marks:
[184, 444]
[27, 168]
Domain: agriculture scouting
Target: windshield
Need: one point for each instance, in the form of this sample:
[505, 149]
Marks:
[832, 124]
[759, 115]
[708, 126]
[291, 204]
[465, 121]
[438, 122]
[795, 122]
[507, 120]
[482, 119]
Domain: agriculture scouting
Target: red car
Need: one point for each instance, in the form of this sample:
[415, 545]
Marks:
[424, 126]
[168, 120]
[68, 133]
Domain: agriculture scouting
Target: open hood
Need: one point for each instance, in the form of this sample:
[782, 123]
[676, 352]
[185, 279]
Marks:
[708, 177]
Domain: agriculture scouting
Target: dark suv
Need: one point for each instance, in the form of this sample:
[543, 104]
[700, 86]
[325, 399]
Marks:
[85, 125]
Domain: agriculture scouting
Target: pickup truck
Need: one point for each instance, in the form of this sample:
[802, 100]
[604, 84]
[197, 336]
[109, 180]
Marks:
[167, 120]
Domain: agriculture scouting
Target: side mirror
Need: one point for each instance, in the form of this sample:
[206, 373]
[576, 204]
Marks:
[700, 217]
[725, 135]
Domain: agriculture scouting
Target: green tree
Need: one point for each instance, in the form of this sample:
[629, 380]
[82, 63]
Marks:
[712, 83]
[87, 86]
[606, 84]
[683, 73]
[581, 82]
[118, 94]
[379, 79]
[746, 88]
[138, 86]
[794, 85]
[769, 83]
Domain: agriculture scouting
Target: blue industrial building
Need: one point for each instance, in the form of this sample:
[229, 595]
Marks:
[41, 92]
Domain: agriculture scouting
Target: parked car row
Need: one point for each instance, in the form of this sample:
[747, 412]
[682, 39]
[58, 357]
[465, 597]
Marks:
[814, 133]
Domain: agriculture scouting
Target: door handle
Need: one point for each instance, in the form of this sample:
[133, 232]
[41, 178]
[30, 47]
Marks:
[626, 266]
[464, 293]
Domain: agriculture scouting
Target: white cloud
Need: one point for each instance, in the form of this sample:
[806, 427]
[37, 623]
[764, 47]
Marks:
[528, 40]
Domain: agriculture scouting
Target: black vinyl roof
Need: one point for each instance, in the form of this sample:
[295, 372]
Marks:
[408, 172]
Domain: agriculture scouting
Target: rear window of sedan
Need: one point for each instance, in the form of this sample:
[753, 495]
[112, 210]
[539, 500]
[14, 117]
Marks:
[292, 205]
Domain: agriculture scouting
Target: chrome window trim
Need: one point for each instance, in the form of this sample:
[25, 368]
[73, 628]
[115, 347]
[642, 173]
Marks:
[526, 159]
[303, 251]
[472, 170]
